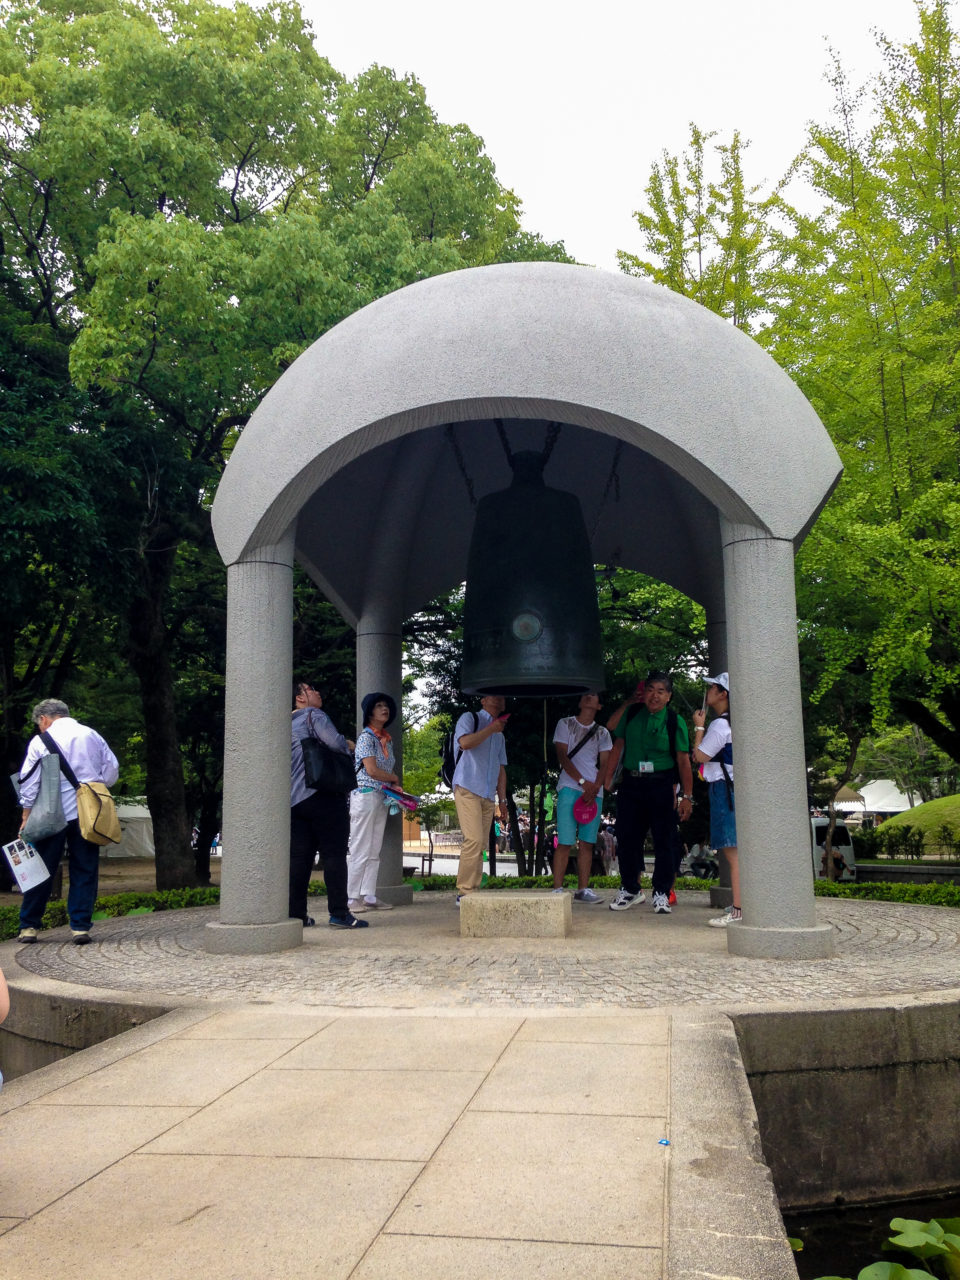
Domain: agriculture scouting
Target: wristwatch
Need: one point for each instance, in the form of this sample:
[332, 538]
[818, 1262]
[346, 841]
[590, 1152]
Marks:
[581, 782]
[687, 797]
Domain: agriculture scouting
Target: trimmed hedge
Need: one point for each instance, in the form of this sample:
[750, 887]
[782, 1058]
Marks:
[123, 904]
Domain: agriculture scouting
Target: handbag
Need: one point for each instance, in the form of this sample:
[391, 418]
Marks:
[325, 769]
[96, 811]
[46, 816]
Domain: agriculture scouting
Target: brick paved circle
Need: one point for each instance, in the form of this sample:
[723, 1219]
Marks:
[414, 957]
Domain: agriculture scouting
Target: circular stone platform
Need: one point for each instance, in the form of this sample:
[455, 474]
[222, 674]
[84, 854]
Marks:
[414, 957]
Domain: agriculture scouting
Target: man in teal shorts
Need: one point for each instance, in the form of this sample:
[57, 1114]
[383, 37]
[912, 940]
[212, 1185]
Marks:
[582, 749]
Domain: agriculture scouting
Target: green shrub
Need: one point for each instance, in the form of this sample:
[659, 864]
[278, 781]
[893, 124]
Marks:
[925, 895]
[867, 845]
[935, 1243]
[118, 904]
[902, 841]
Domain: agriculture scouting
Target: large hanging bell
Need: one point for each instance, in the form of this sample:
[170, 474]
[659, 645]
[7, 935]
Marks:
[531, 623]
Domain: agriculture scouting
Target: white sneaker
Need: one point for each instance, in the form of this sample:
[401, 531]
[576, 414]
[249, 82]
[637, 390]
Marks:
[623, 900]
[661, 904]
[357, 904]
[586, 895]
[377, 905]
[721, 922]
[27, 935]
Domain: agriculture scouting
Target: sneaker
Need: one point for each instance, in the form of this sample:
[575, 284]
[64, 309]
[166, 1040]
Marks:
[349, 921]
[356, 905]
[558, 891]
[27, 935]
[624, 900]
[672, 898]
[80, 937]
[586, 895]
[377, 905]
[309, 922]
[459, 899]
[661, 904]
[721, 922]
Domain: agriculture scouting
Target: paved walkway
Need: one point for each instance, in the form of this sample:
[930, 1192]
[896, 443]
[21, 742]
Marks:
[414, 957]
[398, 1102]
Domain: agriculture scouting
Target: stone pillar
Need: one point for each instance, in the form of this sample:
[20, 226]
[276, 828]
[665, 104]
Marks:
[380, 669]
[773, 825]
[255, 875]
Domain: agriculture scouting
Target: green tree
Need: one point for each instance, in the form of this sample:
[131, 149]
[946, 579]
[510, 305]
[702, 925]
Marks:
[708, 237]
[915, 764]
[190, 196]
[865, 318]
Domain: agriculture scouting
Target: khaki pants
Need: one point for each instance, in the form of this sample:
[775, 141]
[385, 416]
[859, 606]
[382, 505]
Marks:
[475, 814]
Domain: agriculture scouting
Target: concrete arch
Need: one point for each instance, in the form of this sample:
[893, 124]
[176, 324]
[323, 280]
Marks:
[719, 465]
[539, 341]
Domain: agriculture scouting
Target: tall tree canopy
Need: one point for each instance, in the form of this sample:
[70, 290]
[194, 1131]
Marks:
[859, 303]
[189, 196]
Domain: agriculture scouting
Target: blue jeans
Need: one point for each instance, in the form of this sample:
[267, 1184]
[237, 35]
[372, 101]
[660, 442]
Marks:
[723, 819]
[84, 878]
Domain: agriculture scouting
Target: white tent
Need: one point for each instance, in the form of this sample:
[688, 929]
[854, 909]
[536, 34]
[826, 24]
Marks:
[137, 828]
[884, 796]
[881, 796]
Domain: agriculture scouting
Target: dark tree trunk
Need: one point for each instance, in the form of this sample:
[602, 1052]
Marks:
[207, 828]
[515, 834]
[944, 735]
[492, 848]
[150, 659]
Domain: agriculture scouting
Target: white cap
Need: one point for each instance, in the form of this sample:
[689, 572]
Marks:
[723, 680]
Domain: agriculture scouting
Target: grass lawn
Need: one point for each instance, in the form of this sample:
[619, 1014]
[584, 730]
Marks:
[929, 818]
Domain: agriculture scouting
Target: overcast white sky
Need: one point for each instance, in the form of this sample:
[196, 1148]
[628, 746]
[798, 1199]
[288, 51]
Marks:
[575, 102]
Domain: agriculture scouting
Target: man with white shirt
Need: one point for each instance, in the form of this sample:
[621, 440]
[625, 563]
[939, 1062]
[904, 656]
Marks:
[479, 783]
[92, 761]
[583, 748]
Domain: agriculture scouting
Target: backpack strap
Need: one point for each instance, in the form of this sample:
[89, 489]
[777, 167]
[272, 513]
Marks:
[459, 753]
[719, 759]
[594, 730]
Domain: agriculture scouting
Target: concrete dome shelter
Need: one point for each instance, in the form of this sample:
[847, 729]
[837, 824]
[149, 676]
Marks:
[695, 458]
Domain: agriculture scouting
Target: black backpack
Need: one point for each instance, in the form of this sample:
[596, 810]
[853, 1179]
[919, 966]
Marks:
[450, 752]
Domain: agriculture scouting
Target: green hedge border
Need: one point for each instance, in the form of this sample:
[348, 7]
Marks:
[124, 904]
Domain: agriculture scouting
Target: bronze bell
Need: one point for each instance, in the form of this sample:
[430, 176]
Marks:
[531, 622]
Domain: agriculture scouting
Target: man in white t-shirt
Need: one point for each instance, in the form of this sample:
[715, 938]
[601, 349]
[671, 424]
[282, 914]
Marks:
[582, 748]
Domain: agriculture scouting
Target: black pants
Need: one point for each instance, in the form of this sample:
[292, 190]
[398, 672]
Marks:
[647, 804]
[319, 824]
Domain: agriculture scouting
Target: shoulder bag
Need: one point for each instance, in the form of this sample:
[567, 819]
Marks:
[95, 807]
[46, 816]
[325, 769]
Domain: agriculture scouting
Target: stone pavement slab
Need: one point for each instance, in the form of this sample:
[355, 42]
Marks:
[347, 1145]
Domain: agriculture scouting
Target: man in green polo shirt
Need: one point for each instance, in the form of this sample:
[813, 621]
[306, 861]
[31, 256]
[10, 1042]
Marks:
[655, 746]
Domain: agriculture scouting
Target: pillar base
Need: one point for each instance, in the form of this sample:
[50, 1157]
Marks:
[400, 895]
[252, 939]
[815, 943]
